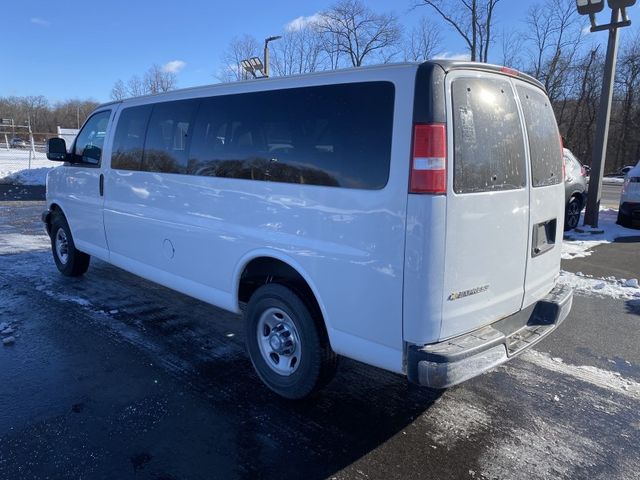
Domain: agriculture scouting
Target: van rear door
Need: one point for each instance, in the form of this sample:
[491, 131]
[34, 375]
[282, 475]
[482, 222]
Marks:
[547, 196]
[487, 229]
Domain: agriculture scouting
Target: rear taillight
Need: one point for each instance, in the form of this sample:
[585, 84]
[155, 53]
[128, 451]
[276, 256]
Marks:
[429, 160]
[510, 71]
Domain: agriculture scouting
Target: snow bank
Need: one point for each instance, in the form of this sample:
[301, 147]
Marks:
[14, 165]
[579, 245]
[613, 180]
[35, 176]
[620, 288]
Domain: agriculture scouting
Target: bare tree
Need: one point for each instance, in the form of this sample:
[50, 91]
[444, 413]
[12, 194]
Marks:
[155, 80]
[240, 48]
[158, 80]
[554, 31]
[472, 20]
[352, 29]
[423, 42]
[512, 45]
[119, 91]
[298, 51]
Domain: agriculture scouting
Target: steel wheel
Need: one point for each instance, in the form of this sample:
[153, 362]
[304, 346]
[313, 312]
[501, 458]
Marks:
[279, 341]
[62, 246]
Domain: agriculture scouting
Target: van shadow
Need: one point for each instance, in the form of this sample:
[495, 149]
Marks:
[358, 412]
[633, 239]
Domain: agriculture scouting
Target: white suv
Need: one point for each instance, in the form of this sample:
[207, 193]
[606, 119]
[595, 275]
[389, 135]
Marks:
[629, 211]
[407, 216]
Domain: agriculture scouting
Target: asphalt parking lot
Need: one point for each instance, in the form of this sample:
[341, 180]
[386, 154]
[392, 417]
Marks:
[114, 377]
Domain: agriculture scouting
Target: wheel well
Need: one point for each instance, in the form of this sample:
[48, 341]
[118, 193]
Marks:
[263, 270]
[52, 209]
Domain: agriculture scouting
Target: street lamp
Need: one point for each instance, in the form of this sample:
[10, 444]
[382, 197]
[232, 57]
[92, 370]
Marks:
[266, 52]
[618, 10]
[253, 65]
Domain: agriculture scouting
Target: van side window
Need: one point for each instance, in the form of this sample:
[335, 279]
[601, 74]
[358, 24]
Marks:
[168, 133]
[333, 135]
[90, 140]
[544, 137]
[489, 151]
[129, 138]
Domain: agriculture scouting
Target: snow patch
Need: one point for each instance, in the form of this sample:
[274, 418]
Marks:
[579, 245]
[11, 243]
[455, 419]
[606, 287]
[35, 176]
[606, 379]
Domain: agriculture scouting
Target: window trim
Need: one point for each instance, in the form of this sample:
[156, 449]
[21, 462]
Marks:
[75, 140]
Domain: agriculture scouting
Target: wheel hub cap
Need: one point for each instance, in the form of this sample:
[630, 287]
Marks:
[279, 341]
[62, 246]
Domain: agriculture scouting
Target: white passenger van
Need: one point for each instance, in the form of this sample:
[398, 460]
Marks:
[407, 216]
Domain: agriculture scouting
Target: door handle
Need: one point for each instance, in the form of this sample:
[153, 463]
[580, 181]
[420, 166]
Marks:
[101, 184]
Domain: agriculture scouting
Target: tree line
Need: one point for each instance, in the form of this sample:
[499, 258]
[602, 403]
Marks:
[44, 116]
[549, 42]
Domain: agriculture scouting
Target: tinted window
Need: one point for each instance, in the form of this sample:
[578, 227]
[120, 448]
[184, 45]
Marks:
[489, 146]
[88, 146]
[337, 135]
[129, 138]
[544, 138]
[168, 133]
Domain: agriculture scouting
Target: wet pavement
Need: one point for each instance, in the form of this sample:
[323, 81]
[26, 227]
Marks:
[113, 377]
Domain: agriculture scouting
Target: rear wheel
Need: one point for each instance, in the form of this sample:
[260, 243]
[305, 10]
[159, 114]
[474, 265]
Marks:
[624, 220]
[69, 260]
[287, 344]
[572, 214]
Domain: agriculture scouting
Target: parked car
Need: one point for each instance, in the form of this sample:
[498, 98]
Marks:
[18, 143]
[387, 214]
[629, 211]
[575, 189]
[620, 173]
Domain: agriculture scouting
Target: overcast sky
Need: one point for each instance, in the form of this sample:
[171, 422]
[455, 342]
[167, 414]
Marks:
[78, 49]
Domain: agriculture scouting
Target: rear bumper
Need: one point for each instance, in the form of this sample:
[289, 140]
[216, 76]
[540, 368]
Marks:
[453, 361]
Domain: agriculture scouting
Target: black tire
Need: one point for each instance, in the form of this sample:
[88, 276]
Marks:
[317, 362]
[69, 260]
[624, 220]
[572, 214]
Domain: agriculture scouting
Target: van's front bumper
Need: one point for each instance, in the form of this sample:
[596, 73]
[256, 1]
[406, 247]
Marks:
[442, 365]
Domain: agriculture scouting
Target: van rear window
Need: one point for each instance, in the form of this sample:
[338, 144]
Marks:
[544, 137]
[489, 153]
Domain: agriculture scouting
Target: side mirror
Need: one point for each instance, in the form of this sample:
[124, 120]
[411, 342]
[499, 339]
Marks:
[57, 150]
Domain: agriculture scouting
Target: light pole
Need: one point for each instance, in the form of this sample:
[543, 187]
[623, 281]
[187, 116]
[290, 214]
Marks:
[618, 10]
[266, 52]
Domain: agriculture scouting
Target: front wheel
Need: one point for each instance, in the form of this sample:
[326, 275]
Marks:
[69, 260]
[287, 344]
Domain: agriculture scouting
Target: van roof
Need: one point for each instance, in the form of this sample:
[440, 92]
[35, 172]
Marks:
[446, 65]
